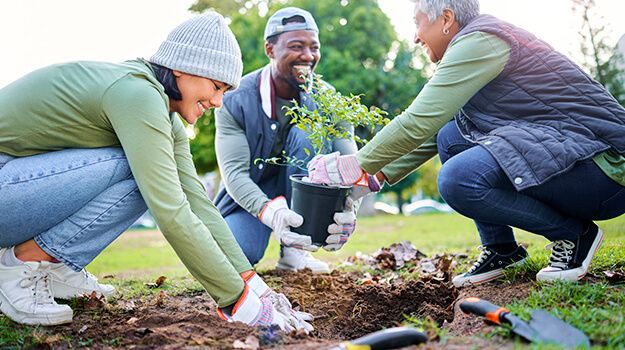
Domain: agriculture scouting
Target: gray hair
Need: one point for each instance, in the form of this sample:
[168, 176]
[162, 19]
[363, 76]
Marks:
[465, 10]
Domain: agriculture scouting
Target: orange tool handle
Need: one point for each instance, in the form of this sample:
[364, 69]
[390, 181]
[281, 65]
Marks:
[484, 308]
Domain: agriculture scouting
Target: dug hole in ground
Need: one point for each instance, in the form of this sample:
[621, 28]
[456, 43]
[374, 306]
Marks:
[345, 306]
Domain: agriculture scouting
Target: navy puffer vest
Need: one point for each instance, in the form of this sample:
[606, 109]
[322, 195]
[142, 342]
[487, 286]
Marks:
[244, 104]
[542, 114]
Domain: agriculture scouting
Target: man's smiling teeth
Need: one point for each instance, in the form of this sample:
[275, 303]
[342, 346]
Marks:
[303, 69]
[201, 107]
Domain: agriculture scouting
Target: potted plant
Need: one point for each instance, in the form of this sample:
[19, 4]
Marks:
[335, 113]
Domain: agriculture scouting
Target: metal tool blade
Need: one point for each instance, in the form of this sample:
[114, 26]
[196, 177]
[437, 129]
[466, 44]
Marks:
[545, 328]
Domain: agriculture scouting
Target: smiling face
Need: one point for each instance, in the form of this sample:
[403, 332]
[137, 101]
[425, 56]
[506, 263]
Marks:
[295, 52]
[430, 35]
[198, 95]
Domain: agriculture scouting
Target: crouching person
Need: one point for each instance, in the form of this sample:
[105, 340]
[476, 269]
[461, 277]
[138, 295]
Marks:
[87, 147]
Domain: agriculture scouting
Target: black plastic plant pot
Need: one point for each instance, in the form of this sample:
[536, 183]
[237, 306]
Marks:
[317, 203]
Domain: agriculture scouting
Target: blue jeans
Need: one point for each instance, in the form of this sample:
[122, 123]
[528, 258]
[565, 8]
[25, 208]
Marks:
[74, 202]
[473, 183]
[251, 234]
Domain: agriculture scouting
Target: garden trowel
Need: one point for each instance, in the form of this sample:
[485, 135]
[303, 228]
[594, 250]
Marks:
[542, 327]
[391, 338]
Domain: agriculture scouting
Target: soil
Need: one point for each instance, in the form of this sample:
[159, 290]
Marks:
[345, 306]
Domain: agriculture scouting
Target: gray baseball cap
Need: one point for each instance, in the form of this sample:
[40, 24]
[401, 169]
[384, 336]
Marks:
[275, 24]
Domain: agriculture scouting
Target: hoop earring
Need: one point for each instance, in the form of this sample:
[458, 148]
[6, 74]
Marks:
[445, 31]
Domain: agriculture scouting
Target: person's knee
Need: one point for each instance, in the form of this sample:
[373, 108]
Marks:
[297, 141]
[447, 183]
[452, 185]
[450, 142]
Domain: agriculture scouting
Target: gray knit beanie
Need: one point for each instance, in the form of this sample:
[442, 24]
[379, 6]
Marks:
[203, 46]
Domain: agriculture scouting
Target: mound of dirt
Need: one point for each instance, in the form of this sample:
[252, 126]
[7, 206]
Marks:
[343, 308]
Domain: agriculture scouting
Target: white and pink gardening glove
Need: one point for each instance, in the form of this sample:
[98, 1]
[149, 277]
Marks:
[281, 304]
[255, 311]
[277, 215]
[344, 226]
[335, 170]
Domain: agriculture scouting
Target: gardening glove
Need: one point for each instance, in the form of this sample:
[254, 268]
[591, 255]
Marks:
[277, 215]
[344, 226]
[336, 170]
[281, 304]
[254, 311]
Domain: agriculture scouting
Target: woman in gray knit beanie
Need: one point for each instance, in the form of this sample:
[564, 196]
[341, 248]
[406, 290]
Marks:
[201, 47]
[87, 147]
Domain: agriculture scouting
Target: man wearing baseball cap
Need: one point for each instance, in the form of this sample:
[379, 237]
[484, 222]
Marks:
[252, 124]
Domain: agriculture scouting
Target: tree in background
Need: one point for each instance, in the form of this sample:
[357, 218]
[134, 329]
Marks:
[600, 59]
[360, 54]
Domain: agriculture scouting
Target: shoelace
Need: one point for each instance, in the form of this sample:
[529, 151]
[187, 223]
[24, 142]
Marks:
[89, 277]
[561, 253]
[39, 283]
[484, 253]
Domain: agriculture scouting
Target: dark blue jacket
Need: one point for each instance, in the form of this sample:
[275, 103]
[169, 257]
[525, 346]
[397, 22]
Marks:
[543, 113]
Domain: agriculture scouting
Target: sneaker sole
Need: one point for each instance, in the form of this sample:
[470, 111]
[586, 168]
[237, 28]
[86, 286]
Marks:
[487, 277]
[576, 274]
[33, 319]
[68, 292]
[284, 267]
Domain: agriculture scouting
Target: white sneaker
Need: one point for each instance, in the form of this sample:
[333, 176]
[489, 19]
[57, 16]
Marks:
[26, 295]
[295, 259]
[69, 284]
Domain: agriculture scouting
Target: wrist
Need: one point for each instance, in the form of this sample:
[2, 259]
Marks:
[381, 177]
[268, 213]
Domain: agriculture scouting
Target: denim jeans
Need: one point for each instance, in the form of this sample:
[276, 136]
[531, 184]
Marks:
[474, 184]
[251, 234]
[74, 202]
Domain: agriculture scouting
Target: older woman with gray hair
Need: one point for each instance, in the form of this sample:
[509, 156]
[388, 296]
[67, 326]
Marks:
[533, 142]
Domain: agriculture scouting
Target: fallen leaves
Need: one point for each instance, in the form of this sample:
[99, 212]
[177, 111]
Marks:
[403, 257]
[159, 282]
[93, 302]
[613, 276]
[161, 299]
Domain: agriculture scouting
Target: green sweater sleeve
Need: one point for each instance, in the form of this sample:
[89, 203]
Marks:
[469, 64]
[157, 149]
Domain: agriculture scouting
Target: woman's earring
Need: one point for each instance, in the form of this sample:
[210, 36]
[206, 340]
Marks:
[445, 31]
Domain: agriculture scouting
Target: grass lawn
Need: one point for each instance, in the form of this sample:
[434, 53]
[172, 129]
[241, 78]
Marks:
[139, 256]
[146, 252]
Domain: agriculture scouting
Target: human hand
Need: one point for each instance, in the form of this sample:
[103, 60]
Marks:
[344, 226]
[338, 170]
[281, 304]
[280, 218]
[255, 311]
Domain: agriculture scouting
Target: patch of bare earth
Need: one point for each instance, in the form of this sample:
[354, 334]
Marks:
[344, 308]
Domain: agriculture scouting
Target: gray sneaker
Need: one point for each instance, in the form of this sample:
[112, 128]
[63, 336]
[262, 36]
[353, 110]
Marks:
[490, 265]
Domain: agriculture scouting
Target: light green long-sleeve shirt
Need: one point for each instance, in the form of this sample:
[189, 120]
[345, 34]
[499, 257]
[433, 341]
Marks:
[409, 140]
[95, 104]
